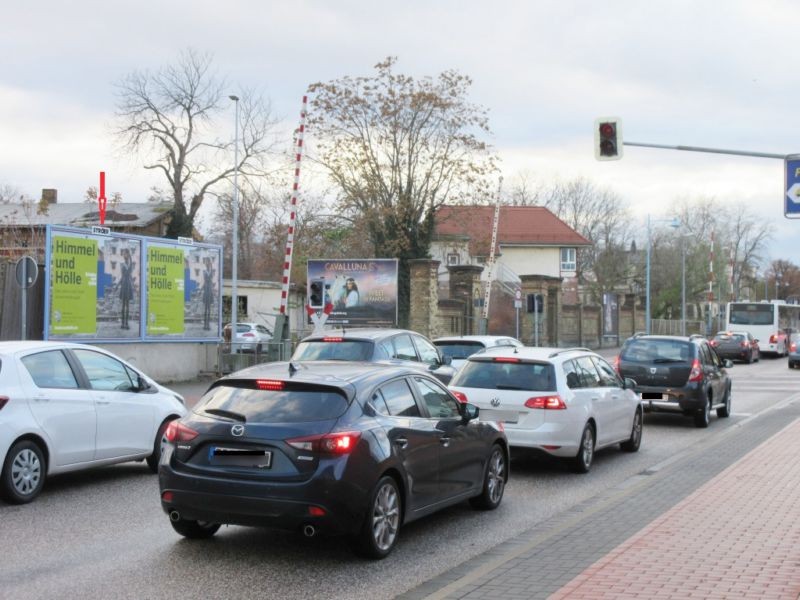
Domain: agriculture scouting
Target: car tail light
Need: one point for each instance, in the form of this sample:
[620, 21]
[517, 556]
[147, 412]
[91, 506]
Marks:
[316, 511]
[745, 344]
[792, 348]
[773, 339]
[460, 396]
[332, 339]
[616, 363]
[249, 334]
[178, 432]
[331, 443]
[166, 496]
[546, 402]
[272, 385]
[714, 343]
[3, 401]
[505, 359]
[696, 375]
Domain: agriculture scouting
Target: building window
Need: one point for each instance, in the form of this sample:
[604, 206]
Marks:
[452, 259]
[568, 261]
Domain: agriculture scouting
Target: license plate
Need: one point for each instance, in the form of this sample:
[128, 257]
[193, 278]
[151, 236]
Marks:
[240, 457]
[652, 396]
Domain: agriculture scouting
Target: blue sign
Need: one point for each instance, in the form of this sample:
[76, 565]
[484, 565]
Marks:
[791, 198]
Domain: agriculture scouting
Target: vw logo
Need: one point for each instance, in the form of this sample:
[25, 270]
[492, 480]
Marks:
[237, 430]
[653, 370]
[495, 402]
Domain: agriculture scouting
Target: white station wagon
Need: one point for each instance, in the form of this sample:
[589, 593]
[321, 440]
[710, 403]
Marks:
[65, 407]
[563, 402]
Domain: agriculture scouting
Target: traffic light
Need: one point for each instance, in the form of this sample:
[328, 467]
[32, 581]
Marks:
[608, 138]
[316, 295]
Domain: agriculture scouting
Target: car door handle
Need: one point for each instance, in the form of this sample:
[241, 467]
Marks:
[103, 401]
[444, 441]
[595, 398]
[402, 442]
[42, 399]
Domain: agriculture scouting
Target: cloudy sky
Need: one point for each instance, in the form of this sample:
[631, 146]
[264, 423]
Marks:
[703, 73]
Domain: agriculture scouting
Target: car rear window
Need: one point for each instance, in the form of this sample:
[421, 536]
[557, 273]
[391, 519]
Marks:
[492, 375]
[459, 350]
[268, 406]
[657, 351]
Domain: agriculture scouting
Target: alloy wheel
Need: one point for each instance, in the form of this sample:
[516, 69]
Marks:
[385, 516]
[587, 447]
[496, 476]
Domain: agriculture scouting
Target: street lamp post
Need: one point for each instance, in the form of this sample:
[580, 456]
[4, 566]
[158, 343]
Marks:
[235, 236]
[777, 281]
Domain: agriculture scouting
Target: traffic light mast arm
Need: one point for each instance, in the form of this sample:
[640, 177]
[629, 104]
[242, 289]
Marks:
[711, 150]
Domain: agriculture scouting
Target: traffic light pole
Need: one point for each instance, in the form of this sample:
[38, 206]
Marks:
[710, 150]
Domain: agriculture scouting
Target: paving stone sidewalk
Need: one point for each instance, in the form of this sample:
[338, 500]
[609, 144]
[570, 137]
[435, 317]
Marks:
[720, 521]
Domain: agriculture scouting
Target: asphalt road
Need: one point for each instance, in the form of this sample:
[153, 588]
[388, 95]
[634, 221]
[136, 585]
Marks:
[101, 534]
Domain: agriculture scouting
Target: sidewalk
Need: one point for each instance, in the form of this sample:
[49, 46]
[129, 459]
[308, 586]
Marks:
[721, 521]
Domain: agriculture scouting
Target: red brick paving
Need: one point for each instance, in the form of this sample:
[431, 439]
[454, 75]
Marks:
[738, 536]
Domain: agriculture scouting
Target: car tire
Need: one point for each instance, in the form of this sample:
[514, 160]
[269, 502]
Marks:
[725, 411]
[494, 481]
[583, 459]
[24, 472]
[750, 358]
[379, 532]
[194, 530]
[158, 445]
[632, 444]
[702, 417]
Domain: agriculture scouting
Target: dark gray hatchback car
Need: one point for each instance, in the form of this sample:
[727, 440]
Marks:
[677, 374]
[334, 447]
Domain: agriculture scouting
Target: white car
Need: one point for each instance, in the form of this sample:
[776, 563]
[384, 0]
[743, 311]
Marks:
[66, 407]
[250, 337]
[460, 347]
[563, 402]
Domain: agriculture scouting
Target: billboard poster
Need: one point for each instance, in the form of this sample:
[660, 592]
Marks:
[164, 290]
[102, 284]
[610, 314]
[183, 290]
[363, 292]
[94, 286]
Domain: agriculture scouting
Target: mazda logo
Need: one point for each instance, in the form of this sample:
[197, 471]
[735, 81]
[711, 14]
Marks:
[237, 430]
[495, 402]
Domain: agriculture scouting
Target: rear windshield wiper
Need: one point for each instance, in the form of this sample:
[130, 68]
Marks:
[229, 414]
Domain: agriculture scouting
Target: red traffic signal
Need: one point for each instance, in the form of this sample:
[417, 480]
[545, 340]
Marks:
[608, 138]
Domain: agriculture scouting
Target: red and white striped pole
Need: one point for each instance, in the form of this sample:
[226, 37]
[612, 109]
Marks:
[287, 264]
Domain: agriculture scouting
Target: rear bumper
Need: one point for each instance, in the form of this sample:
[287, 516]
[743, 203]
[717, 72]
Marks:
[555, 439]
[264, 504]
[680, 400]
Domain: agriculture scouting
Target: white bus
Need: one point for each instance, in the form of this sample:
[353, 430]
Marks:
[771, 323]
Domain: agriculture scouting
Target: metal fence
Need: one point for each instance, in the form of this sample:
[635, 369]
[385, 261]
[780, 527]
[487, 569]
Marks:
[232, 359]
[674, 327]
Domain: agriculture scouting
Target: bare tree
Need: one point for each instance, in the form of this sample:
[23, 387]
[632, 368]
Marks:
[168, 117]
[396, 149]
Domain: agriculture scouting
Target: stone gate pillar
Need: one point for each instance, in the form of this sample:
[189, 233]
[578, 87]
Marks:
[424, 301]
[550, 289]
[465, 285]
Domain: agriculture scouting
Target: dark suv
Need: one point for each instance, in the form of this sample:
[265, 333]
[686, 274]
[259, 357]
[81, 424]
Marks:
[677, 374]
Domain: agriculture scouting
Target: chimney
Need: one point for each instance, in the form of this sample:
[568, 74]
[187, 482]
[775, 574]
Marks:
[50, 196]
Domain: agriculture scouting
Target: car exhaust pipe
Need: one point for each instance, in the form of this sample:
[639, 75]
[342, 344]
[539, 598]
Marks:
[174, 516]
[309, 531]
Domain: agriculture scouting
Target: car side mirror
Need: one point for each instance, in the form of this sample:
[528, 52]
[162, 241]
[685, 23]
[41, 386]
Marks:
[446, 360]
[470, 412]
[143, 385]
[728, 363]
[629, 384]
